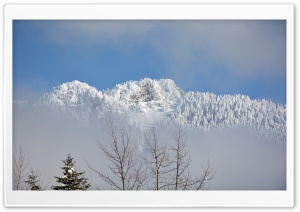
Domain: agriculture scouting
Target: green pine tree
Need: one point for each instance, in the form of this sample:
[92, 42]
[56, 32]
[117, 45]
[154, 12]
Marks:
[71, 179]
[33, 180]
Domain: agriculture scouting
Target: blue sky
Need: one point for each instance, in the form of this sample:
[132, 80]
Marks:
[222, 57]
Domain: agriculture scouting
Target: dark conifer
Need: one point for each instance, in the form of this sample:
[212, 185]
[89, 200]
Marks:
[71, 179]
[33, 180]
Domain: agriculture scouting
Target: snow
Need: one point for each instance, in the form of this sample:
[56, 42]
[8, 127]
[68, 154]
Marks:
[148, 102]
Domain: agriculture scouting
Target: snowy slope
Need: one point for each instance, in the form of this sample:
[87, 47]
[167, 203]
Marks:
[149, 102]
[72, 94]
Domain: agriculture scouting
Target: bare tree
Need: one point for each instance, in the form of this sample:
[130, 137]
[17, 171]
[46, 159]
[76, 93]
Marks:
[181, 161]
[181, 177]
[208, 173]
[157, 161]
[20, 165]
[126, 173]
[165, 167]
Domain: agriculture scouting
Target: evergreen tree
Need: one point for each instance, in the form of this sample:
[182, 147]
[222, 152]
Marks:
[71, 179]
[33, 180]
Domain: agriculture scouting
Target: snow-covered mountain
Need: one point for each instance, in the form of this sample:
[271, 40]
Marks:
[149, 102]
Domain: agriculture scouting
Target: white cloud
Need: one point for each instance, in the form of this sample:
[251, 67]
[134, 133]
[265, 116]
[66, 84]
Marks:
[243, 48]
[69, 32]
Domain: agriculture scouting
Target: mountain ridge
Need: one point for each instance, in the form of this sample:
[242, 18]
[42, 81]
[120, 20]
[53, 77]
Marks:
[152, 101]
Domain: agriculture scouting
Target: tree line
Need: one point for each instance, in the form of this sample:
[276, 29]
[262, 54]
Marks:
[160, 166]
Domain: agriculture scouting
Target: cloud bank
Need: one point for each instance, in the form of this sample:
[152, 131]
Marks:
[242, 160]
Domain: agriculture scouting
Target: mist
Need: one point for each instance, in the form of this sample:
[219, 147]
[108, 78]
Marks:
[242, 160]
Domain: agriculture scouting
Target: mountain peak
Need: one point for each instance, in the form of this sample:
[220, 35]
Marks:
[146, 90]
[75, 84]
[70, 94]
[161, 100]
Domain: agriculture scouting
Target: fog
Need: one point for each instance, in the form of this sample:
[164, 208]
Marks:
[242, 160]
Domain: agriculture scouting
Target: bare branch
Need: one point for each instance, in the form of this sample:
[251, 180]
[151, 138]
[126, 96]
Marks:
[20, 165]
[158, 161]
[208, 174]
[121, 155]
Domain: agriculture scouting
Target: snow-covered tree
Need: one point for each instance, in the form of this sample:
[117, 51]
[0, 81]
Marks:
[71, 179]
[203, 111]
[33, 180]
[148, 92]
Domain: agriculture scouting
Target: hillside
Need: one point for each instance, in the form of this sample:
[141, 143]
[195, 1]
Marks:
[149, 102]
